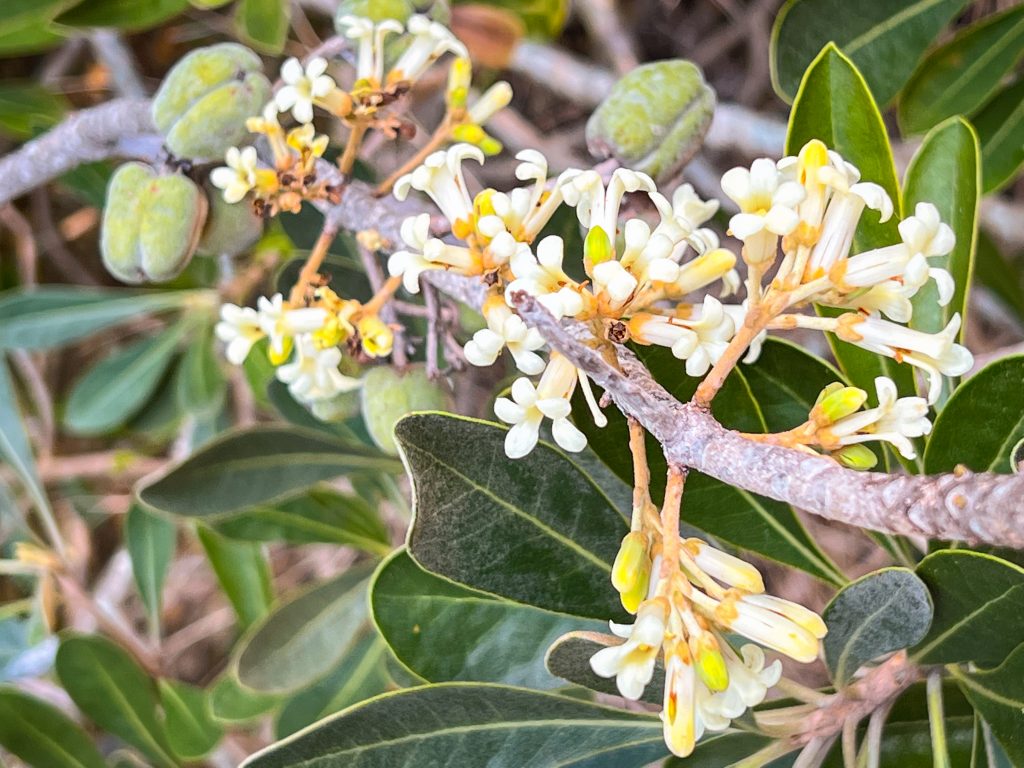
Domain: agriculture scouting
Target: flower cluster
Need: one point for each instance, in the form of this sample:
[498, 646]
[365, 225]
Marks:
[307, 344]
[684, 617]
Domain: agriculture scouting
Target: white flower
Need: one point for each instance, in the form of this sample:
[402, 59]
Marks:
[895, 420]
[441, 178]
[937, 354]
[749, 681]
[529, 405]
[596, 205]
[715, 264]
[728, 569]
[505, 329]
[282, 323]
[430, 41]
[493, 100]
[699, 339]
[925, 233]
[303, 87]
[239, 328]
[768, 206]
[239, 176]
[371, 44]
[679, 715]
[415, 232]
[632, 662]
[314, 374]
[542, 276]
[841, 218]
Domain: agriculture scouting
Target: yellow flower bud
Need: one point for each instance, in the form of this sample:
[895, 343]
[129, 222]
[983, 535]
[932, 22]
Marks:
[632, 598]
[483, 203]
[459, 77]
[286, 351]
[597, 248]
[813, 156]
[469, 133]
[490, 146]
[631, 561]
[377, 338]
[856, 457]
[710, 662]
[840, 402]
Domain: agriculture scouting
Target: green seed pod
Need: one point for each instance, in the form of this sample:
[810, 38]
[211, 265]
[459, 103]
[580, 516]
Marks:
[204, 101]
[119, 231]
[655, 118]
[230, 228]
[173, 214]
[377, 10]
[389, 395]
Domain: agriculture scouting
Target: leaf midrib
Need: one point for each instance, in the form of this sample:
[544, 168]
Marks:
[894, 21]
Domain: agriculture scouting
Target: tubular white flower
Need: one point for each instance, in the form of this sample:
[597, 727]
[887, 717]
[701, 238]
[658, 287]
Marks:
[937, 354]
[925, 233]
[841, 218]
[632, 662]
[704, 270]
[768, 206]
[239, 328]
[542, 276]
[749, 681]
[303, 87]
[896, 420]
[728, 569]
[528, 407]
[597, 205]
[430, 41]
[492, 101]
[370, 62]
[441, 178]
[505, 329]
[415, 232]
[682, 726]
[280, 322]
[239, 176]
[314, 374]
[614, 280]
[699, 339]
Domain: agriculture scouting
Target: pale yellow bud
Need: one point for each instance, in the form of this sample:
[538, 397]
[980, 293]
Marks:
[856, 457]
[839, 403]
[631, 562]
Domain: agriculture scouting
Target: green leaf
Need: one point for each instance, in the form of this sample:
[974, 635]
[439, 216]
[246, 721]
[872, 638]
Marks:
[119, 386]
[471, 725]
[263, 24]
[232, 704]
[536, 530]
[978, 602]
[259, 465]
[150, 540]
[200, 381]
[730, 514]
[981, 422]
[946, 172]
[319, 515]
[1006, 722]
[542, 18]
[26, 108]
[961, 75]
[243, 573]
[724, 750]
[999, 275]
[879, 613]
[25, 26]
[569, 658]
[42, 735]
[1004, 684]
[125, 14]
[51, 316]
[835, 106]
[446, 632]
[109, 687]
[361, 675]
[191, 731]
[303, 639]
[15, 448]
[1000, 127]
[884, 39]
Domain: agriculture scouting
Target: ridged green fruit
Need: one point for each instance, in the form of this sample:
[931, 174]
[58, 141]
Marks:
[204, 101]
[151, 224]
[389, 395]
[655, 118]
[230, 228]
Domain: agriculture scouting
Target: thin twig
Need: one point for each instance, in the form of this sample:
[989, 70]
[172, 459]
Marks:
[119, 61]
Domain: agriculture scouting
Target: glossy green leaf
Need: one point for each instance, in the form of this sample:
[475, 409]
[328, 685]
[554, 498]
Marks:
[109, 687]
[1006, 722]
[536, 530]
[884, 39]
[33, 35]
[14, 13]
[243, 573]
[119, 386]
[150, 540]
[361, 675]
[978, 602]
[879, 613]
[123, 14]
[200, 381]
[232, 704]
[1004, 683]
[724, 750]
[569, 657]
[304, 638]
[788, 380]
[42, 735]
[999, 274]
[946, 172]
[320, 515]
[191, 731]
[50, 316]
[26, 108]
[249, 467]
[981, 422]
[472, 725]
[1000, 125]
[961, 75]
[263, 24]
[446, 632]
[15, 448]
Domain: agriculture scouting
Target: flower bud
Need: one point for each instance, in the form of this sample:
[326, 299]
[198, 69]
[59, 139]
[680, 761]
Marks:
[597, 248]
[710, 662]
[377, 339]
[726, 568]
[838, 403]
[631, 561]
[632, 598]
[459, 76]
[856, 457]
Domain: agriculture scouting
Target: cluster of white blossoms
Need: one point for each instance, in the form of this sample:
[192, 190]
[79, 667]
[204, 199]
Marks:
[797, 219]
[684, 619]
